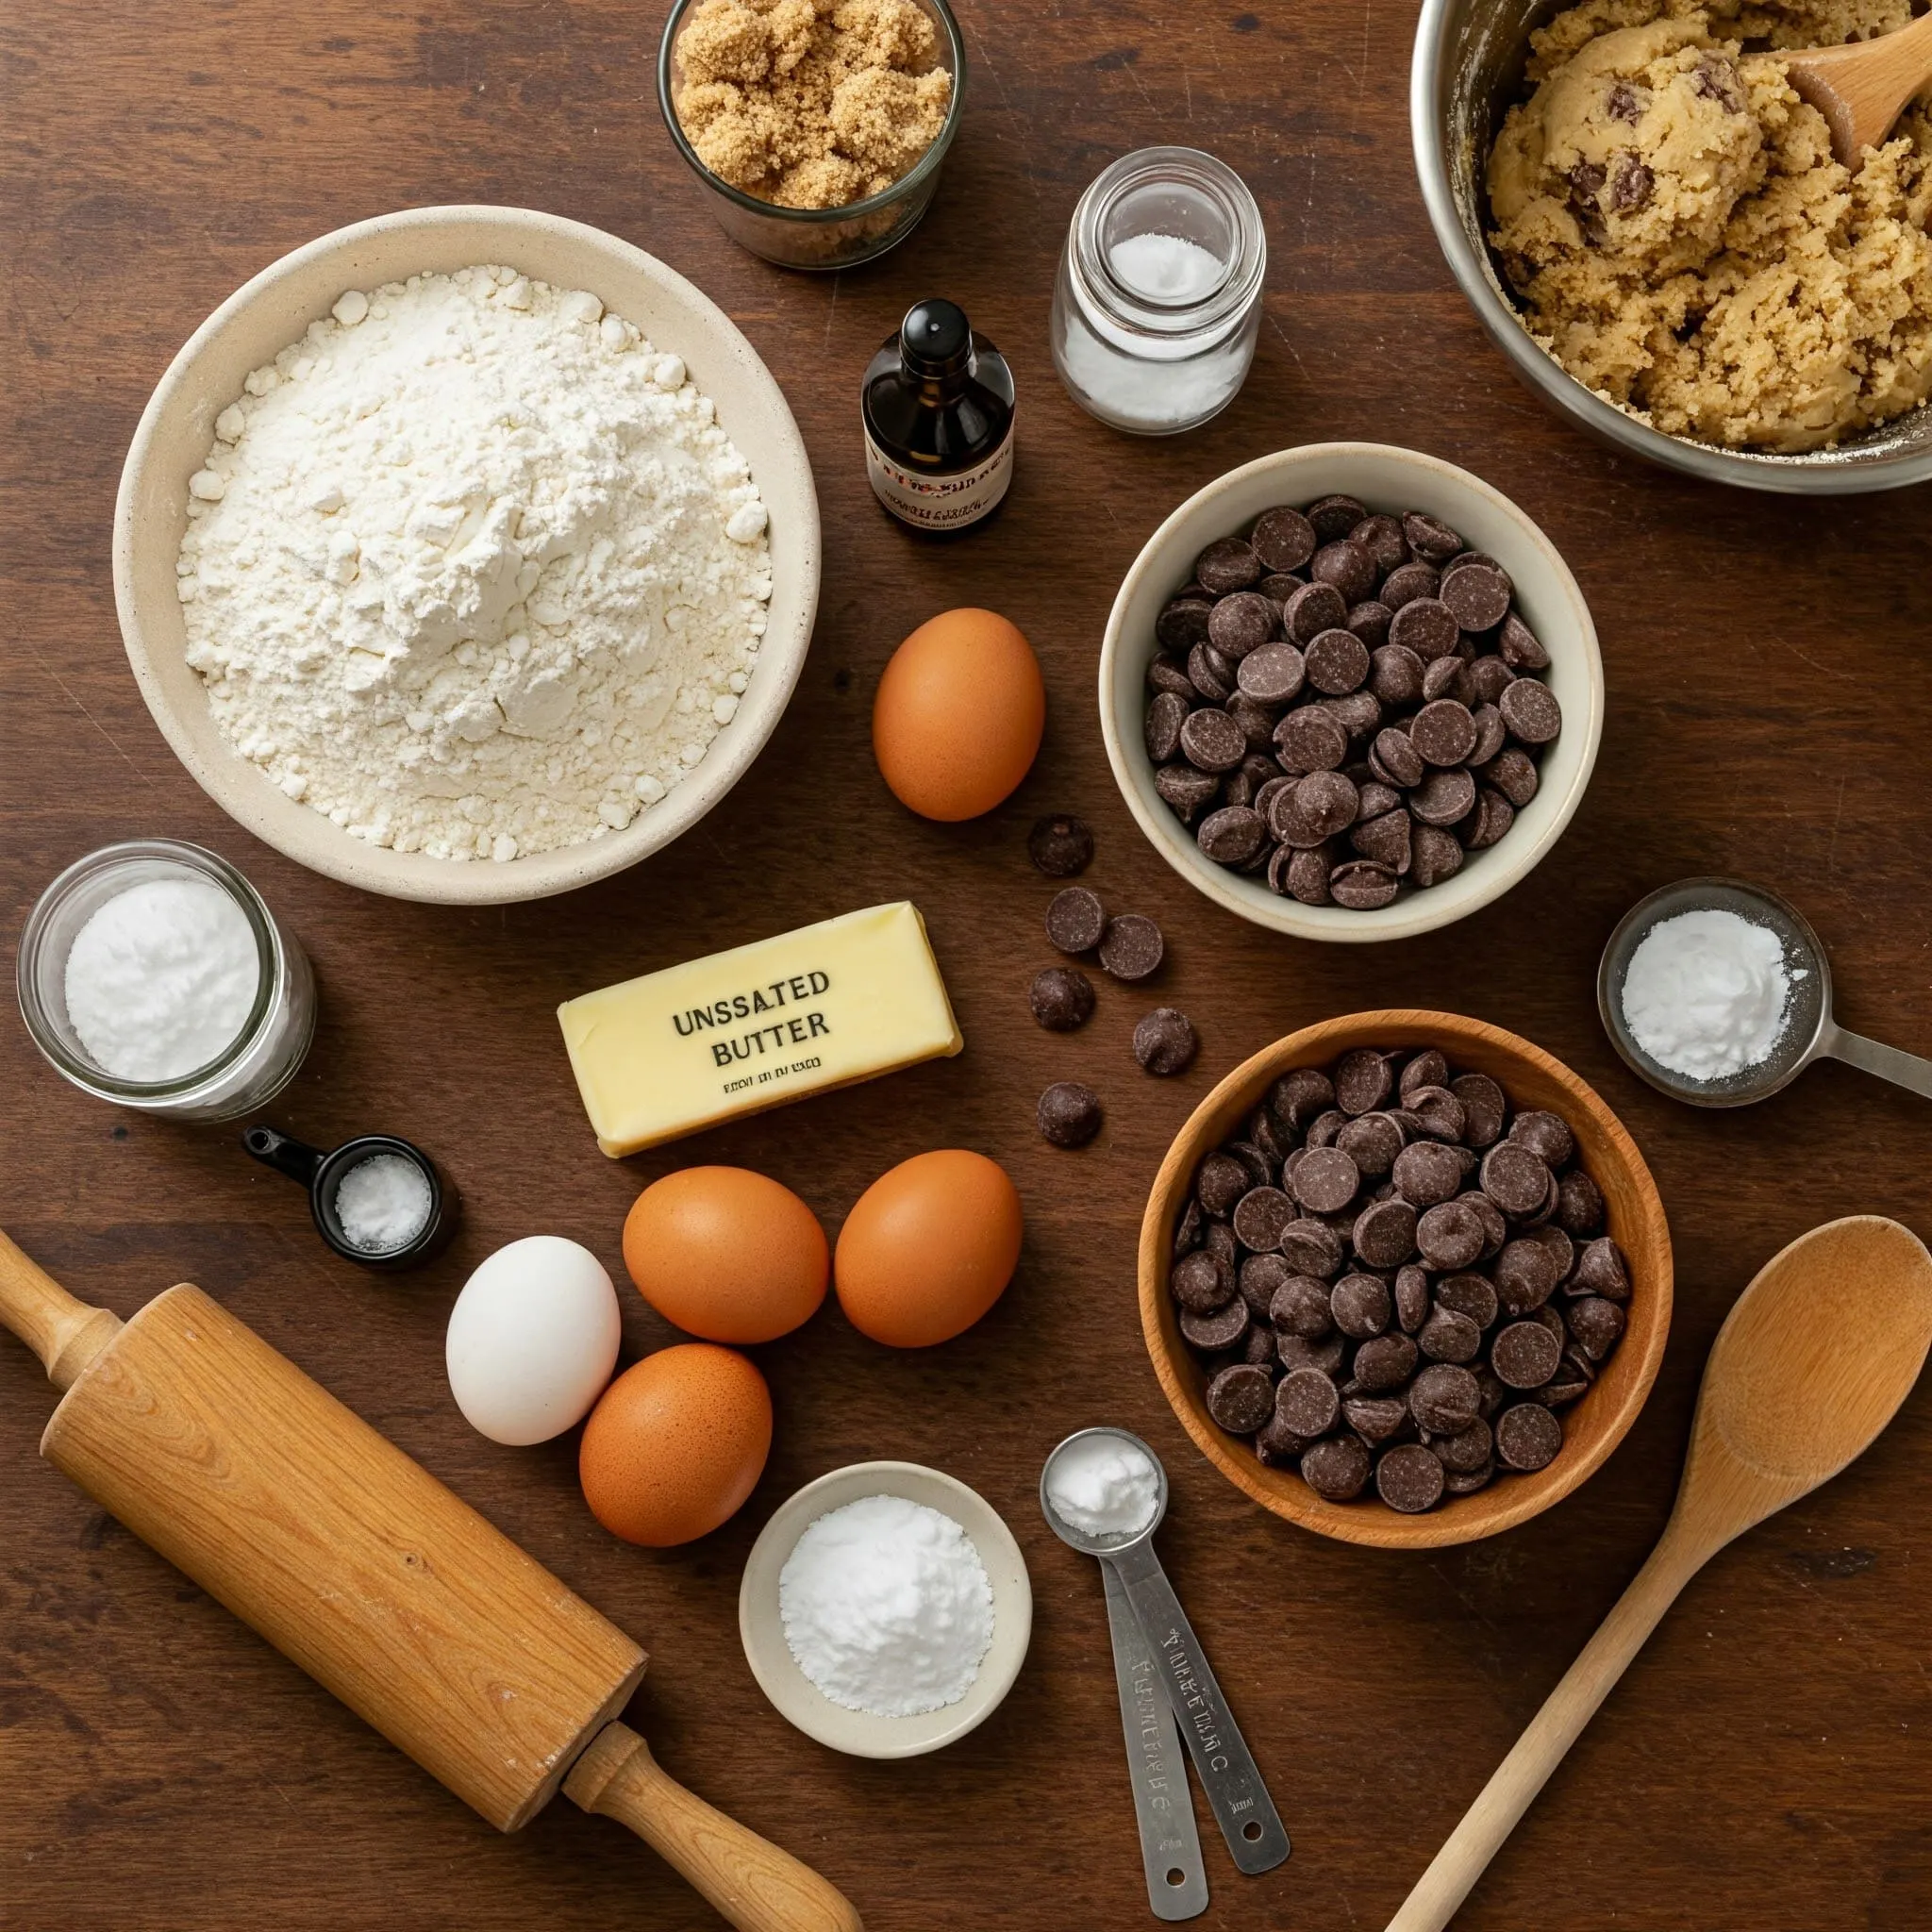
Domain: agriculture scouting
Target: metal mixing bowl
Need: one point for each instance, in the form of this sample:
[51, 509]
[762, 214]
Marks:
[1468, 69]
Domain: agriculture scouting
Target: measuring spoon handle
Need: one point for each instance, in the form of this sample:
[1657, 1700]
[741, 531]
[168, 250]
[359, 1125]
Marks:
[1170, 1845]
[1905, 1070]
[1256, 1838]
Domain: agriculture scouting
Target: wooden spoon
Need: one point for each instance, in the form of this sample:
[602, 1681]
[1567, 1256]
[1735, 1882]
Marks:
[1811, 1364]
[1862, 88]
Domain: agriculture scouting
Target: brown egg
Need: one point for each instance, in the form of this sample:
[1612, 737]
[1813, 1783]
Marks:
[957, 719]
[676, 1444]
[928, 1248]
[726, 1254]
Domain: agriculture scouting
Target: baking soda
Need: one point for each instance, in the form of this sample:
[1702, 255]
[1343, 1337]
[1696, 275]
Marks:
[383, 1203]
[1706, 993]
[887, 1608]
[1104, 1486]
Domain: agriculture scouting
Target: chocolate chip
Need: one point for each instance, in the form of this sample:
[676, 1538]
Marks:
[1465, 1452]
[1631, 183]
[1211, 740]
[1261, 1278]
[1445, 1399]
[1438, 1112]
[1165, 672]
[1326, 1181]
[1272, 674]
[1492, 734]
[1197, 1281]
[1299, 1306]
[1477, 595]
[1335, 1468]
[1427, 1174]
[1334, 517]
[1283, 539]
[1347, 566]
[1495, 1230]
[1187, 1230]
[1441, 798]
[1233, 834]
[1370, 621]
[1361, 1305]
[1240, 623]
[1484, 1106]
[1521, 648]
[1513, 775]
[1528, 1436]
[1621, 102]
[1306, 1402]
[1224, 1327]
[1312, 609]
[1062, 998]
[1186, 790]
[1324, 804]
[1384, 1362]
[1166, 714]
[1468, 1295]
[1242, 1398]
[1717, 80]
[1260, 1215]
[1362, 1081]
[1182, 624]
[1525, 1355]
[1425, 626]
[1259, 1346]
[1515, 1177]
[1061, 846]
[1165, 1041]
[1069, 1114]
[1395, 673]
[1447, 1337]
[1443, 678]
[1337, 661]
[1596, 1326]
[1411, 1298]
[1132, 948]
[1276, 1448]
[1442, 732]
[1311, 741]
[1433, 856]
[1228, 565]
[1374, 1142]
[1579, 1205]
[1210, 674]
[1448, 1236]
[1385, 1233]
[1075, 920]
[1409, 1478]
[1430, 539]
[1546, 1134]
[1300, 1096]
[1530, 710]
[1257, 722]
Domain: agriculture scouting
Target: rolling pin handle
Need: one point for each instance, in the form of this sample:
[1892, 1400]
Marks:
[750, 1881]
[66, 1334]
[285, 1153]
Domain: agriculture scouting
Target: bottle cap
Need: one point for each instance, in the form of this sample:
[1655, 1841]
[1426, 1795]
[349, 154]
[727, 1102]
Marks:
[936, 340]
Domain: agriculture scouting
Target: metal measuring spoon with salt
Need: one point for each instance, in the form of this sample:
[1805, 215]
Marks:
[1154, 1643]
[1808, 1032]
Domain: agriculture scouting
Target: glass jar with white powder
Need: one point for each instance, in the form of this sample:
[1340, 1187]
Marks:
[151, 974]
[1159, 301]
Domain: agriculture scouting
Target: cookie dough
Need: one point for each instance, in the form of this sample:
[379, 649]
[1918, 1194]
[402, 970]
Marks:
[1670, 214]
[810, 103]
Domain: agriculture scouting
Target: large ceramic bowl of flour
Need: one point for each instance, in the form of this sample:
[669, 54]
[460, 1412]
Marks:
[415, 661]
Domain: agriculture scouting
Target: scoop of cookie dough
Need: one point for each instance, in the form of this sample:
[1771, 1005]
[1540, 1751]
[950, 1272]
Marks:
[1682, 240]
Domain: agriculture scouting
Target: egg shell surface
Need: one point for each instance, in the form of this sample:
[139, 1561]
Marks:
[676, 1445]
[958, 716]
[726, 1254]
[532, 1340]
[928, 1248]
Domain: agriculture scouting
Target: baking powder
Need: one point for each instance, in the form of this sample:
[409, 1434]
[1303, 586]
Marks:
[161, 979]
[1706, 993]
[472, 570]
[1103, 1485]
[887, 1606]
[382, 1203]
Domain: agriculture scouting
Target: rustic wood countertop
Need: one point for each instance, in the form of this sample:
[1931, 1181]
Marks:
[1766, 1762]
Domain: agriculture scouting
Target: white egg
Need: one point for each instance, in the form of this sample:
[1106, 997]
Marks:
[532, 1340]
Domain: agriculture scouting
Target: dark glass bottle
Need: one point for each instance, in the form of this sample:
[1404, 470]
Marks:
[938, 407]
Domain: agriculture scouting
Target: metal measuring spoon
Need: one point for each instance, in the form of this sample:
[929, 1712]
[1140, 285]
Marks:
[1810, 1032]
[1257, 1840]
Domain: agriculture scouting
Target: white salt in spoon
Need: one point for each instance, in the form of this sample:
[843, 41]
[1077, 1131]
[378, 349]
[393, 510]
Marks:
[1810, 1032]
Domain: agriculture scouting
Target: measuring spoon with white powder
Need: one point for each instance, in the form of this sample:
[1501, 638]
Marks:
[1718, 994]
[1096, 1494]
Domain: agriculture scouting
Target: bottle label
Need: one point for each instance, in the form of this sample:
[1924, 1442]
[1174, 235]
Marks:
[940, 503]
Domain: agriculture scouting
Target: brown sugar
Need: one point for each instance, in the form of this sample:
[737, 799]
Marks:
[810, 103]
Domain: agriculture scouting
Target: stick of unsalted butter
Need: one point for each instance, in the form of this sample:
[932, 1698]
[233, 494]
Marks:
[758, 1026]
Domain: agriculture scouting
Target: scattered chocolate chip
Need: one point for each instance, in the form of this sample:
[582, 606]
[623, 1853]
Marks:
[1063, 998]
[1075, 921]
[1060, 846]
[1132, 947]
[1069, 1114]
[1165, 1041]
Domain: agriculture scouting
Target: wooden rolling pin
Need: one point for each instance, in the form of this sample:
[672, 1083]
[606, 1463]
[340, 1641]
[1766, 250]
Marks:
[385, 1586]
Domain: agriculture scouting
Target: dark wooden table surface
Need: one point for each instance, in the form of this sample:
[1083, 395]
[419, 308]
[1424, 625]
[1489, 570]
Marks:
[1765, 1764]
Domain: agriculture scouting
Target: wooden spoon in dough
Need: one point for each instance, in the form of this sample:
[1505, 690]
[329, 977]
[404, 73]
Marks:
[1861, 89]
[1809, 1366]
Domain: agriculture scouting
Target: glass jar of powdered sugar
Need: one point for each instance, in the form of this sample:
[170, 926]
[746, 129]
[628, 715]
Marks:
[1158, 300]
[151, 973]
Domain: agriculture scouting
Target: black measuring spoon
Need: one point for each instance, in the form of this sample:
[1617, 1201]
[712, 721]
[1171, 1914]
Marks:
[322, 1175]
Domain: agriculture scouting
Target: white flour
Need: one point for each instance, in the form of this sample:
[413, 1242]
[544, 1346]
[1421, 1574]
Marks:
[472, 570]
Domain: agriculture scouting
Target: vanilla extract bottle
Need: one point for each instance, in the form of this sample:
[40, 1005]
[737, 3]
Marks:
[938, 409]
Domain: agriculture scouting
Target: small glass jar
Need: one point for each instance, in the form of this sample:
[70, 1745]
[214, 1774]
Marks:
[822, 238]
[263, 1057]
[1158, 300]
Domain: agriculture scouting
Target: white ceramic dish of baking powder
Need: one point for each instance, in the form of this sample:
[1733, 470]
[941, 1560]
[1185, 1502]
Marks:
[798, 1699]
[1385, 480]
[271, 311]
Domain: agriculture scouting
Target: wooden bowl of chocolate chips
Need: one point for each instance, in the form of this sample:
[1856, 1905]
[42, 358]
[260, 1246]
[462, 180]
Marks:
[1405, 1278]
